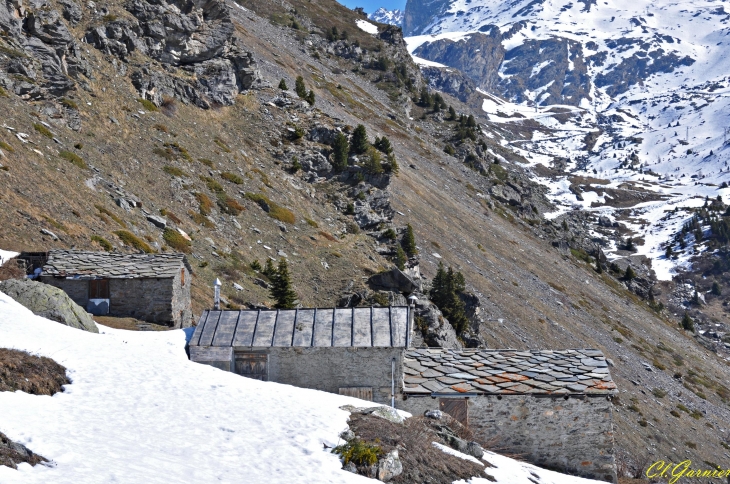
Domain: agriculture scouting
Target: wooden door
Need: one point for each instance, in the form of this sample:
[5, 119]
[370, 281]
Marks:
[457, 408]
[363, 393]
[252, 365]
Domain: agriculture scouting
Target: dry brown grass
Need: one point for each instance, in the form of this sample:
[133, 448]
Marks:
[422, 461]
[20, 371]
[11, 270]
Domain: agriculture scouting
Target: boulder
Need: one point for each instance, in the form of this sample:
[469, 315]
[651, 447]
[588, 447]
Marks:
[48, 302]
[393, 280]
[505, 194]
[389, 466]
[437, 332]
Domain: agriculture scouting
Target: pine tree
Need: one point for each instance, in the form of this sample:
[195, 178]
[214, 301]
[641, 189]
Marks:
[281, 289]
[300, 88]
[340, 148]
[373, 163]
[400, 258]
[696, 298]
[282, 85]
[445, 289]
[687, 323]
[383, 144]
[255, 265]
[599, 267]
[409, 242]
[716, 290]
[310, 97]
[359, 143]
[452, 113]
[630, 274]
[438, 286]
[269, 269]
[393, 164]
[471, 122]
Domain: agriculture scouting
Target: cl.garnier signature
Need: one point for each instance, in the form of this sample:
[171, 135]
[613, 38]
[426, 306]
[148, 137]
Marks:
[675, 472]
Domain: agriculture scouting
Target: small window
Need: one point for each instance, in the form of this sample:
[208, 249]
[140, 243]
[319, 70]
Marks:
[182, 277]
[99, 289]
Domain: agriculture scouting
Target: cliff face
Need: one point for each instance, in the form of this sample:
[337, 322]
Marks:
[420, 13]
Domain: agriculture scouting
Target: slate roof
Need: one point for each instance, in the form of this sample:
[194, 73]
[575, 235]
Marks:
[353, 327]
[440, 371]
[79, 264]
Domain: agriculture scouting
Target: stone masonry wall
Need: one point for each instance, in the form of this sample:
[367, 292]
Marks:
[182, 311]
[77, 290]
[330, 369]
[573, 436]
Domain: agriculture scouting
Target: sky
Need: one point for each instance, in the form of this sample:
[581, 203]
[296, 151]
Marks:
[371, 5]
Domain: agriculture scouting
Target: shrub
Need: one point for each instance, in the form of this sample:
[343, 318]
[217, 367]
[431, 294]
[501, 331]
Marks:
[300, 88]
[69, 103]
[205, 204]
[133, 241]
[201, 219]
[111, 215]
[109, 17]
[373, 162]
[6, 147]
[170, 215]
[296, 166]
[222, 145]
[281, 289]
[206, 162]
[359, 143]
[174, 171]
[212, 185]
[174, 239]
[358, 452]
[659, 393]
[161, 128]
[232, 177]
[409, 242]
[400, 258]
[3, 92]
[148, 105]
[311, 222]
[687, 323]
[674, 413]
[73, 158]
[310, 98]
[283, 86]
[43, 130]
[105, 244]
[390, 234]
[282, 214]
[229, 205]
[256, 265]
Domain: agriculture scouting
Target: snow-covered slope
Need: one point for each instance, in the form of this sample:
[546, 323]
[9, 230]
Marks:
[138, 411]
[385, 16]
[653, 82]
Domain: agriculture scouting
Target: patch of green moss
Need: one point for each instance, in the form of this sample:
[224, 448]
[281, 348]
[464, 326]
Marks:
[148, 105]
[73, 158]
[43, 130]
[133, 241]
[232, 177]
[105, 244]
[174, 239]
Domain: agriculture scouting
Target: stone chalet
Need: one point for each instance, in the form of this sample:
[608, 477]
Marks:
[552, 407]
[149, 287]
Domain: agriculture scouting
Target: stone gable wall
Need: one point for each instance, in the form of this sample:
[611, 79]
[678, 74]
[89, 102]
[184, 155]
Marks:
[573, 435]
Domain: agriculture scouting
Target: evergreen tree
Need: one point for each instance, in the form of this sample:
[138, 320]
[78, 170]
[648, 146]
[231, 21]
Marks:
[630, 274]
[471, 122]
[452, 113]
[696, 298]
[687, 323]
[282, 85]
[281, 289]
[668, 253]
[599, 267]
[446, 287]
[269, 269]
[409, 242]
[300, 88]
[716, 290]
[255, 265]
[383, 144]
[359, 143]
[340, 148]
[373, 164]
[393, 164]
[310, 97]
[400, 257]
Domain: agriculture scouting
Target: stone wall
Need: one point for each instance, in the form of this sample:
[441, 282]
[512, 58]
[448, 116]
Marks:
[330, 369]
[573, 435]
[162, 301]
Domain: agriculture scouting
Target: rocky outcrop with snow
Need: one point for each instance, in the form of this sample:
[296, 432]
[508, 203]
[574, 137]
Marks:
[385, 16]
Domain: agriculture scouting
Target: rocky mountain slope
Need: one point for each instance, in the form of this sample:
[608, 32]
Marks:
[390, 17]
[175, 135]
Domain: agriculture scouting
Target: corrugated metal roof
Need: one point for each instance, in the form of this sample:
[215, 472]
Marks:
[441, 371]
[112, 265]
[358, 327]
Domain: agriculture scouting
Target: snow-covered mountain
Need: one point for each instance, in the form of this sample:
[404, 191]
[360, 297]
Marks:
[385, 16]
[632, 92]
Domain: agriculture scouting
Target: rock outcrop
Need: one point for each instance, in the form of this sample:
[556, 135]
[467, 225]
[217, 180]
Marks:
[48, 302]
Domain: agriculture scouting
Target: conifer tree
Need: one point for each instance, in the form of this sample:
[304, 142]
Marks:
[340, 148]
[599, 267]
[630, 274]
[269, 269]
[310, 97]
[400, 258]
[409, 242]
[282, 85]
[300, 88]
[452, 113]
[373, 162]
[393, 164]
[445, 289]
[383, 144]
[281, 289]
[687, 323]
[359, 143]
[716, 289]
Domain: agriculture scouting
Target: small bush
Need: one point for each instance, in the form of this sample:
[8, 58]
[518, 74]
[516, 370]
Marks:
[674, 413]
[3, 92]
[212, 185]
[148, 105]
[222, 145]
[205, 204]
[390, 234]
[105, 244]
[232, 177]
[327, 236]
[206, 162]
[229, 205]
[282, 214]
[311, 223]
[43, 130]
[174, 239]
[255, 265]
[69, 103]
[111, 215]
[133, 241]
[161, 128]
[683, 408]
[201, 219]
[659, 393]
[174, 171]
[73, 158]
[109, 18]
[6, 147]
[358, 452]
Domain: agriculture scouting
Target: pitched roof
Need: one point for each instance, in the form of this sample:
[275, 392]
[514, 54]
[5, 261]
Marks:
[359, 327]
[440, 371]
[111, 265]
